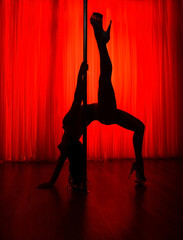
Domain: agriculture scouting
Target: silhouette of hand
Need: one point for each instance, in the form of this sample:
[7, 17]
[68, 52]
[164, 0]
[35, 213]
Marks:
[45, 185]
[83, 68]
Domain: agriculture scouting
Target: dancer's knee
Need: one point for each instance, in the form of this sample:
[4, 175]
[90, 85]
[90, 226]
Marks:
[141, 127]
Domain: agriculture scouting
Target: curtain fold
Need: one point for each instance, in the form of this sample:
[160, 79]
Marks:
[40, 54]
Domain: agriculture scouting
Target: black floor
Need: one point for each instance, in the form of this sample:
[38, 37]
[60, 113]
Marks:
[115, 208]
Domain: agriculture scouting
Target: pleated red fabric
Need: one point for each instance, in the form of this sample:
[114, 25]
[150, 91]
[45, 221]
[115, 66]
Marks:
[40, 54]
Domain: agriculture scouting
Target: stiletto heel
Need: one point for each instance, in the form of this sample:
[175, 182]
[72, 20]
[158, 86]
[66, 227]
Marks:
[106, 34]
[132, 169]
[140, 179]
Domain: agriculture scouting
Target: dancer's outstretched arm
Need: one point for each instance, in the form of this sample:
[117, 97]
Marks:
[55, 174]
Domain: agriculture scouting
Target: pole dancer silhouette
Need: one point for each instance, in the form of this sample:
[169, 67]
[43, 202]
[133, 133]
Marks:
[105, 112]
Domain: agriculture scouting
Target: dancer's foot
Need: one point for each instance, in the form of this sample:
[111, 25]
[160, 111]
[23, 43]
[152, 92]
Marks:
[80, 187]
[96, 20]
[140, 178]
[100, 34]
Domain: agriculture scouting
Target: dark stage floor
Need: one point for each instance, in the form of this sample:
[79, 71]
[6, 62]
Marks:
[115, 208]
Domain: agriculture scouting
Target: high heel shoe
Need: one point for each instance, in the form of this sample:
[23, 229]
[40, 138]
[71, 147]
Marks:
[100, 34]
[139, 177]
[96, 21]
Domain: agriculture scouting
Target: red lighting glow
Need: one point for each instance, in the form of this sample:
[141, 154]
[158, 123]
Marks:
[41, 51]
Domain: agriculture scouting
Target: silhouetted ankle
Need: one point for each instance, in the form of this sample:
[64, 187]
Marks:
[139, 168]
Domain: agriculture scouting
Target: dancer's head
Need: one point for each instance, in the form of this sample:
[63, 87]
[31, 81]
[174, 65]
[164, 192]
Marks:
[76, 161]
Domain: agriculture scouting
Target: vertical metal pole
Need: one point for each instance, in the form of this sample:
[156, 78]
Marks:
[85, 91]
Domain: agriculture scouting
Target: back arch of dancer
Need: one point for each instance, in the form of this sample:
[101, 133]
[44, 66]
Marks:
[105, 111]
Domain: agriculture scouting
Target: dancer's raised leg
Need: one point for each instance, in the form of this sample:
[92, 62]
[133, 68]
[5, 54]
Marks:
[106, 96]
[78, 97]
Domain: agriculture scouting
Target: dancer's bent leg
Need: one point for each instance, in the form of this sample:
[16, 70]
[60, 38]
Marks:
[129, 122]
[106, 96]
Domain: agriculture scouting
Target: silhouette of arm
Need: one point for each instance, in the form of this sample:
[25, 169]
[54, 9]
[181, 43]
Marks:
[58, 168]
[55, 174]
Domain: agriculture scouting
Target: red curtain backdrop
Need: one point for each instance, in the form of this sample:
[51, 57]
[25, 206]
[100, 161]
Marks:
[40, 54]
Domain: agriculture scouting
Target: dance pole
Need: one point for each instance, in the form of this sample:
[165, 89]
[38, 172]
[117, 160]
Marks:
[85, 91]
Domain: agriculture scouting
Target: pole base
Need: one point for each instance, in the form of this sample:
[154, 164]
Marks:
[75, 188]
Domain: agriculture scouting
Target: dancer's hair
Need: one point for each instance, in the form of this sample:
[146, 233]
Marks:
[76, 164]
